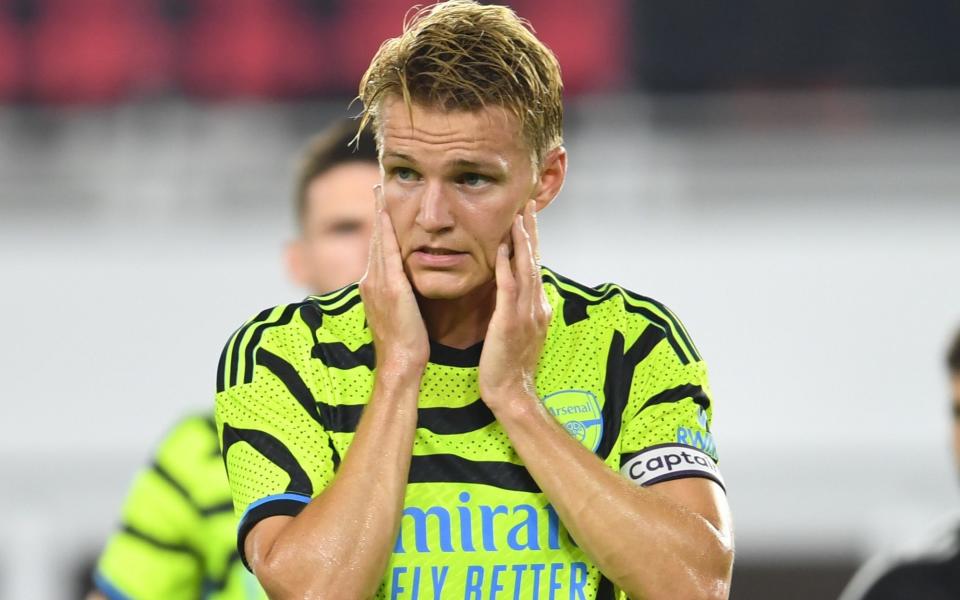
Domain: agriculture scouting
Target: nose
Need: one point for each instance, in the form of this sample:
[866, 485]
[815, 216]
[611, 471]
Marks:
[434, 214]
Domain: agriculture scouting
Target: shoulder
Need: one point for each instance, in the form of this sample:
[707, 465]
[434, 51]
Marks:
[288, 331]
[610, 305]
[190, 430]
[187, 464]
[188, 446]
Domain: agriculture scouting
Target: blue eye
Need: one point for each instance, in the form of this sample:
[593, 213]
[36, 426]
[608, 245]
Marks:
[405, 174]
[473, 179]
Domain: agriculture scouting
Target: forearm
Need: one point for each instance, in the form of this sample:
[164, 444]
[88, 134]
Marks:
[641, 540]
[341, 541]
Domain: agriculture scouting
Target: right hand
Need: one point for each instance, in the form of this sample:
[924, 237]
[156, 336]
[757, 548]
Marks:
[399, 334]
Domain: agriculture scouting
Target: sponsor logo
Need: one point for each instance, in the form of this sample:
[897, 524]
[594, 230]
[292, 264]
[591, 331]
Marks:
[670, 461]
[506, 547]
[579, 413]
[699, 439]
[702, 418]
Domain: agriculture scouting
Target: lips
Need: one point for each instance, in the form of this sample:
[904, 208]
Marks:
[436, 257]
[437, 251]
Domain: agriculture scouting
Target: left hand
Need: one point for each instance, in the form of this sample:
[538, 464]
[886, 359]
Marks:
[518, 327]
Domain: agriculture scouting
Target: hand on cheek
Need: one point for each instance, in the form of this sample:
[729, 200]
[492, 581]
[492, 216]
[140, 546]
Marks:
[399, 334]
[518, 327]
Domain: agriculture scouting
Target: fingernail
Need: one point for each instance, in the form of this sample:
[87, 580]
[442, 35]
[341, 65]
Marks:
[503, 249]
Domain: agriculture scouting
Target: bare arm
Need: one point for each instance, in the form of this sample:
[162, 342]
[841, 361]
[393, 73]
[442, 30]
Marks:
[339, 545]
[672, 540]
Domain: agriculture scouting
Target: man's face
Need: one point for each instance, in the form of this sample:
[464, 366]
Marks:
[452, 184]
[335, 237]
[955, 381]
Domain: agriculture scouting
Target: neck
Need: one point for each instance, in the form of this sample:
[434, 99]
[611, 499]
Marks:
[460, 322]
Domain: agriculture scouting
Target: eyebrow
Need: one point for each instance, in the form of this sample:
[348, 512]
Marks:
[461, 163]
[400, 155]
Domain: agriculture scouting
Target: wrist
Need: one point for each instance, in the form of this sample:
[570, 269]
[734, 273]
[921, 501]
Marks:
[398, 372]
[514, 399]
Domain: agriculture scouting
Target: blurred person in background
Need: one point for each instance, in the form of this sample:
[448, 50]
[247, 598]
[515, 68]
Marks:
[930, 568]
[447, 427]
[178, 538]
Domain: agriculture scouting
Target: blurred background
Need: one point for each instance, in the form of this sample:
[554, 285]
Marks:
[786, 176]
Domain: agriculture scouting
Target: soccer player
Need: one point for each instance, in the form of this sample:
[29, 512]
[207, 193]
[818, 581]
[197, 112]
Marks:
[178, 538]
[930, 569]
[465, 423]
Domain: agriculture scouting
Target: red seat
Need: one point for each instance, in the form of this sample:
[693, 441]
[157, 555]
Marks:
[11, 56]
[362, 27]
[589, 39]
[257, 48]
[93, 51]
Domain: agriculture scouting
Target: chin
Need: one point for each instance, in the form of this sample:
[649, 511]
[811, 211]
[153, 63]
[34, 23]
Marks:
[441, 285]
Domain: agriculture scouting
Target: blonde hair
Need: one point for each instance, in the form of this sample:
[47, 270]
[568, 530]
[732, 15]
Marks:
[460, 55]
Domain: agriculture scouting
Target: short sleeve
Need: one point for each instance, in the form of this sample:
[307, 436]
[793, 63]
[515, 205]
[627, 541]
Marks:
[666, 428]
[276, 451]
[153, 554]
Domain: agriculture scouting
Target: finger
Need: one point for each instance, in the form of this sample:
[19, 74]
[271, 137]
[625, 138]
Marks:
[531, 225]
[522, 260]
[506, 286]
[542, 306]
[389, 247]
[375, 257]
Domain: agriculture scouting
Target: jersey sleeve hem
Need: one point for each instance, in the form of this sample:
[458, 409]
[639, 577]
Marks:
[271, 506]
[667, 462]
[106, 588]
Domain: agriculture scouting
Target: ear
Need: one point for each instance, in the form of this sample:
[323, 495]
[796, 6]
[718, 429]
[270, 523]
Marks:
[296, 262]
[553, 172]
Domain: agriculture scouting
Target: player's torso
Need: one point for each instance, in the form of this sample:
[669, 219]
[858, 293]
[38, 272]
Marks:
[475, 524]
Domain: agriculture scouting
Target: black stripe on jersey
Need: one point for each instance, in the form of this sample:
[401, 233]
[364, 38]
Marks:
[213, 585]
[176, 485]
[274, 450]
[342, 418]
[619, 378]
[222, 364]
[289, 377]
[442, 420]
[311, 315]
[605, 589]
[159, 544]
[694, 392]
[336, 295]
[574, 310]
[678, 326]
[339, 310]
[334, 454]
[238, 340]
[338, 356]
[210, 422]
[285, 317]
[217, 509]
[582, 296]
[203, 511]
[450, 468]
